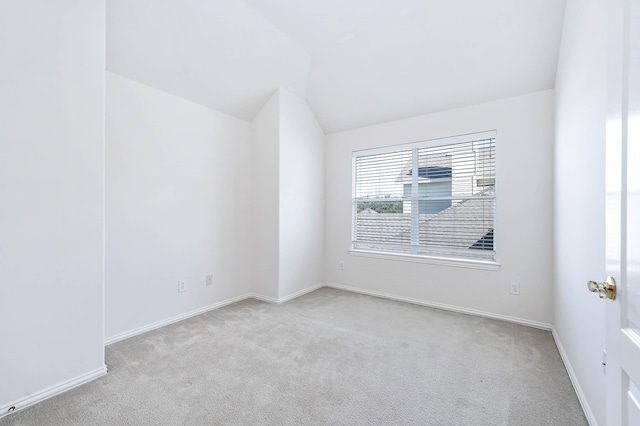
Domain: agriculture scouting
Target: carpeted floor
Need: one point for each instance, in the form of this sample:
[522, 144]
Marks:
[329, 357]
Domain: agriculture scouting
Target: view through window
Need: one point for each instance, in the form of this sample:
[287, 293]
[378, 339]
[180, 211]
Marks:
[429, 198]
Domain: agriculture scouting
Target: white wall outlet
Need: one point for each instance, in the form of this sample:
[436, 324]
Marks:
[341, 265]
[209, 279]
[514, 288]
[182, 286]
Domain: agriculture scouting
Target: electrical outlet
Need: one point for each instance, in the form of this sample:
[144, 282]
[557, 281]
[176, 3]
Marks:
[209, 279]
[182, 286]
[341, 264]
[514, 288]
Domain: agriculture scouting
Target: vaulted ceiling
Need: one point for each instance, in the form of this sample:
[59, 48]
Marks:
[357, 62]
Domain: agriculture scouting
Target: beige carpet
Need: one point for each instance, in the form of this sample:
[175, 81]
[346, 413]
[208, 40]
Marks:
[329, 357]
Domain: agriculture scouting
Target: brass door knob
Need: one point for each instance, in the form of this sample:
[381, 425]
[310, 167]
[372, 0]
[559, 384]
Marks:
[606, 290]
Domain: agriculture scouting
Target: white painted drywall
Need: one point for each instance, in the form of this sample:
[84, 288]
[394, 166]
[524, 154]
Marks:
[524, 187]
[579, 194]
[51, 187]
[264, 196]
[301, 196]
[177, 205]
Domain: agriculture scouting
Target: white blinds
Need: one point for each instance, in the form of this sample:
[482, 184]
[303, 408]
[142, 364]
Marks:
[427, 198]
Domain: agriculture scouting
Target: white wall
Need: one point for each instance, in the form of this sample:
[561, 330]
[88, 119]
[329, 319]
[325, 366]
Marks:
[265, 210]
[192, 192]
[177, 206]
[51, 187]
[287, 169]
[524, 187]
[301, 196]
[579, 195]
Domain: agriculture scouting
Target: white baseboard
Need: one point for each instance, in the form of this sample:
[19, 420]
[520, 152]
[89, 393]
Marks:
[162, 323]
[263, 298]
[574, 379]
[288, 297]
[52, 391]
[521, 321]
[300, 293]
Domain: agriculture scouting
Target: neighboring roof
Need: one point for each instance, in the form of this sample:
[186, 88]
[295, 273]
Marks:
[468, 219]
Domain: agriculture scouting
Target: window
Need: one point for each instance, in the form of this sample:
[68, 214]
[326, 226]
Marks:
[446, 208]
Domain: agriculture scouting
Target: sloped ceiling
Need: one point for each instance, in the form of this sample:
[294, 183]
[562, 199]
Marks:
[357, 62]
[219, 53]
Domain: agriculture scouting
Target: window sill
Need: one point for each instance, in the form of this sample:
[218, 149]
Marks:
[484, 265]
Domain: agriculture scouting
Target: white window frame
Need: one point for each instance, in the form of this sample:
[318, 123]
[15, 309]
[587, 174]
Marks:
[462, 262]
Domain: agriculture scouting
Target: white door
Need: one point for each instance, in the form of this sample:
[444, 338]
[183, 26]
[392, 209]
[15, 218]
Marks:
[623, 215]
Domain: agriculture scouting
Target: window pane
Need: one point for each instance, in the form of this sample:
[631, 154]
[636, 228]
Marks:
[469, 166]
[383, 223]
[382, 175]
[465, 228]
[440, 203]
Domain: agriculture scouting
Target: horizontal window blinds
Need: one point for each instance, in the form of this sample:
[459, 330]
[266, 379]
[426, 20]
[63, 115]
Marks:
[427, 198]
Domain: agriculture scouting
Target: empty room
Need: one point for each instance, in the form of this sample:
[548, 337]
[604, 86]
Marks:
[286, 212]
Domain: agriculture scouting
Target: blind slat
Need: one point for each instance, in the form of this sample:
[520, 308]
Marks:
[455, 198]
